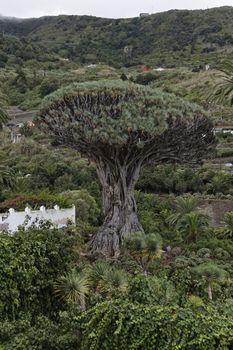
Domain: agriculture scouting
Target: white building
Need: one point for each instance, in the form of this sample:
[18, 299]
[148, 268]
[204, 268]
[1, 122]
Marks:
[58, 217]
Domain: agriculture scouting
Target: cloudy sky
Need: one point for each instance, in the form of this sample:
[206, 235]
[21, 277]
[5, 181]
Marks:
[103, 8]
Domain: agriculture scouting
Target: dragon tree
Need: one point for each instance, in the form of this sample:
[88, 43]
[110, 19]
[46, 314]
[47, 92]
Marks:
[122, 127]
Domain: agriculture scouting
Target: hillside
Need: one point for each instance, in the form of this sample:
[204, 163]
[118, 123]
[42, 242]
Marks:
[172, 38]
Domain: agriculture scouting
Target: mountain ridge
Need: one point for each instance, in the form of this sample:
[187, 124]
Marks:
[165, 38]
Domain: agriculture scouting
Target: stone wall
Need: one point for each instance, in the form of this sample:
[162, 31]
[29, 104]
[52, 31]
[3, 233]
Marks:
[216, 209]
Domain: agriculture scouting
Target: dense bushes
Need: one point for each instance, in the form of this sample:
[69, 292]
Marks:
[170, 179]
[30, 261]
[120, 324]
[149, 298]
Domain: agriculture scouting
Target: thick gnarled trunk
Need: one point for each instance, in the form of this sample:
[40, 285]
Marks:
[119, 207]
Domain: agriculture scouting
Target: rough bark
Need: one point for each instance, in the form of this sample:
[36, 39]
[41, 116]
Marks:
[119, 207]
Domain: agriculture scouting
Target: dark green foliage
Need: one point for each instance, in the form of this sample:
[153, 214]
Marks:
[31, 261]
[123, 325]
[48, 86]
[168, 38]
[3, 113]
[87, 209]
[152, 290]
[39, 333]
[7, 178]
[223, 91]
[144, 79]
[181, 180]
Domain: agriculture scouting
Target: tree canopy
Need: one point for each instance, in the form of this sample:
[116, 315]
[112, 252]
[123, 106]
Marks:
[129, 118]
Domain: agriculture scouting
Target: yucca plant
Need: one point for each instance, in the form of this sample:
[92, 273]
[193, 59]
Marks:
[73, 288]
[210, 272]
[144, 248]
[107, 280]
[114, 281]
[97, 273]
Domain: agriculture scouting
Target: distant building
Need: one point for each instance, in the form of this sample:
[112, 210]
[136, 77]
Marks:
[224, 129]
[160, 69]
[144, 14]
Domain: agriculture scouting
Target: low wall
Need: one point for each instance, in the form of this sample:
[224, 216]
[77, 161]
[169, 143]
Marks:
[216, 209]
[58, 217]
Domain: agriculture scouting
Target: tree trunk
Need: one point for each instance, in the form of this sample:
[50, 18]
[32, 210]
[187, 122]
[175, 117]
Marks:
[119, 207]
[82, 303]
[210, 295]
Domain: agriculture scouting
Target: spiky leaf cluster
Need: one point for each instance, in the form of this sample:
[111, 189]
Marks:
[105, 120]
[210, 272]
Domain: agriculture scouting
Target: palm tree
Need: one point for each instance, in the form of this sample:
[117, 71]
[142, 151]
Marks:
[192, 224]
[144, 248]
[219, 183]
[73, 288]
[7, 178]
[183, 205]
[228, 225]
[223, 91]
[210, 273]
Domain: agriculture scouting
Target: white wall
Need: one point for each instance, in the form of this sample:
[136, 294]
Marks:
[12, 220]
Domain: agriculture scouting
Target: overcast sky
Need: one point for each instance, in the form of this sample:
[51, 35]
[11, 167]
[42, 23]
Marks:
[102, 8]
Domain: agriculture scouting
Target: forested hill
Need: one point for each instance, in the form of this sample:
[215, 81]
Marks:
[169, 38]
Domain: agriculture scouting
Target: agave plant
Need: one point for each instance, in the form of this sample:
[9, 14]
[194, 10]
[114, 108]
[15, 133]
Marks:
[73, 288]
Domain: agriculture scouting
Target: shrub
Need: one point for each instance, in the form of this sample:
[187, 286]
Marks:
[122, 325]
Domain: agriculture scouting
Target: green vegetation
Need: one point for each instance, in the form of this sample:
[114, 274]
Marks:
[170, 38]
[170, 285]
[3, 112]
